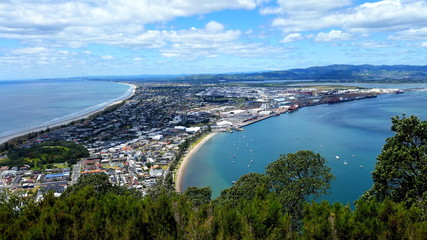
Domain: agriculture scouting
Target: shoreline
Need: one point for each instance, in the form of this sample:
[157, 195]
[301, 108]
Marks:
[4, 139]
[184, 163]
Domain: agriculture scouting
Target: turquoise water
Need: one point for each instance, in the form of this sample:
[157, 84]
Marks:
[355, 131]
[28, 104]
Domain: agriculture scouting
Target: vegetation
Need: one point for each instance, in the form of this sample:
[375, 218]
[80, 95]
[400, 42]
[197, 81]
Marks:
[46, 154]
[274, 205]
[332, 73]
[401, 170]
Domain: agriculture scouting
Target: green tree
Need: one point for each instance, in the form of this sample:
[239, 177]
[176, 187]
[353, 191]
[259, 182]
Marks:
[199, 196]
[247, 187]
[299, 177]
[401, 170]
[101, 185]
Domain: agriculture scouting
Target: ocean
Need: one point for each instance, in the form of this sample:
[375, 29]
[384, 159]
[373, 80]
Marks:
[25, 105]
[349, 135]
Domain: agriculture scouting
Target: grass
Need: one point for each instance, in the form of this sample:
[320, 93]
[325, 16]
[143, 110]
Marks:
[60, 165]
[3, 160]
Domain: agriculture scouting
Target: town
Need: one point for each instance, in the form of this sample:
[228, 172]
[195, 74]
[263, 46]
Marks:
[140, 142]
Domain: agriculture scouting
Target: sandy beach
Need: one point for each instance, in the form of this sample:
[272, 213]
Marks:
[6, 138]
[186, 160]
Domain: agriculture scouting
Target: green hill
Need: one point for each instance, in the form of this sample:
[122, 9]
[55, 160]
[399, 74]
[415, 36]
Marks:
[395, 73]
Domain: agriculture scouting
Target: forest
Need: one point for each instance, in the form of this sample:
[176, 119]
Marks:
[278, 204]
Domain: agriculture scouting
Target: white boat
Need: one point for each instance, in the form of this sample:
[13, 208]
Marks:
[337, 157]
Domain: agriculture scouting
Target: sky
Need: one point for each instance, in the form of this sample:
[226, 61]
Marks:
[71, 38]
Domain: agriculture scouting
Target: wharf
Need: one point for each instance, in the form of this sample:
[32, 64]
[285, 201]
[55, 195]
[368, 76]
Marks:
[258, 119]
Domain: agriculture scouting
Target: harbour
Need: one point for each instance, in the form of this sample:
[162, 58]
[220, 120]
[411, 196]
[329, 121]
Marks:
[355, 131]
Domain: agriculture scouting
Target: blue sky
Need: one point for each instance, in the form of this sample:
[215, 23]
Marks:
[67, 38]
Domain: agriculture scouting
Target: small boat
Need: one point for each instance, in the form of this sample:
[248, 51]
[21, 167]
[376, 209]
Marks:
[345, 163]
[249, 165]
[337, 157]
[361, 166]
[252, 161]
[233, 182]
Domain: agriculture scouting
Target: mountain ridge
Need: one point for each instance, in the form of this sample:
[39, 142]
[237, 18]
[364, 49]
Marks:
[336, 72]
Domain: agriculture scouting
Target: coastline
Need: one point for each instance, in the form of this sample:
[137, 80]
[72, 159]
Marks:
[4, 139]
[184, 163]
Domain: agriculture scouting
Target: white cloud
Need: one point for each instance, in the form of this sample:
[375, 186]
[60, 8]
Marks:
[107, 57]
[99, 18]
[170, 54]
[333, 35]
[292, 38]
[31, 56]
[294, 7]
[196, 50]
[304, 23]
[195, 38]
[373, 44]
[214, 27]
[417, 34]
[78, 23]
[386, 15]
[29, 51]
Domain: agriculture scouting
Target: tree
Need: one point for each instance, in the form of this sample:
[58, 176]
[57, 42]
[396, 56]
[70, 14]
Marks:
[299, 177]
[401, 170]
[199, 196]
[247, 187]
[101, 185]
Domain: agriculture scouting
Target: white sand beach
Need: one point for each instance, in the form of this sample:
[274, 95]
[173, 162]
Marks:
[186, 160]
[6, 138]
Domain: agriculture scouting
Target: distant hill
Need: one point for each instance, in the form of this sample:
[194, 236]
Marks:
[384, 73]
